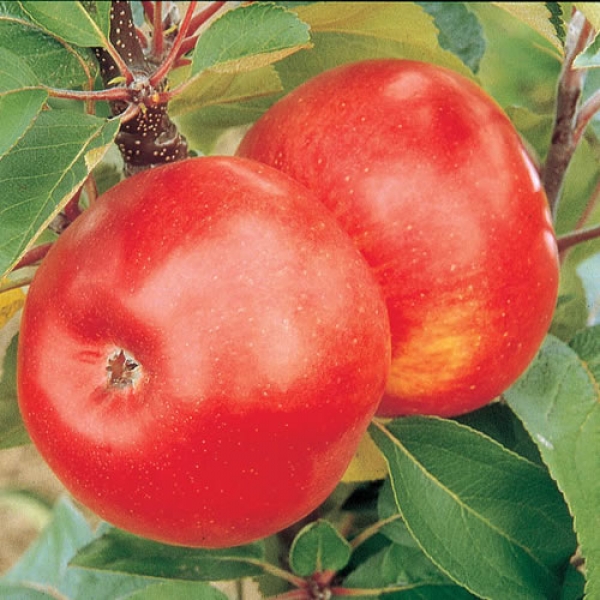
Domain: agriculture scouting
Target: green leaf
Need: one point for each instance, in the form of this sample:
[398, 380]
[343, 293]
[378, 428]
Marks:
[204, 128]
[519, 67]
[232, 64]
[54, 63]
[18, 104]
[317, 548]
[341, 32]
[349, 31]
[395, 529]
[99, 11]
[45, 565]
[492, 521]
[539, 17]
[15, 72]
[558, 400]
[42, 171]
[118, 551]
[406, 574]
[401, 564]
[573, 585]
[68, 21]
[178, 590]
[12, 430]
[11, 8]
[344, 32]
[497, 421]
[211, 88]
[459, 31]
[249, 37]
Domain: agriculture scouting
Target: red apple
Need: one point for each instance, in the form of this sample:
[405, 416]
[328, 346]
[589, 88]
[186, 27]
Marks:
[430, 179]
[201, 352]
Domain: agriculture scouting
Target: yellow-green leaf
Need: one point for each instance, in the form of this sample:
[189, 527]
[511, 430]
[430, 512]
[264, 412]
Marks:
[406, 24]
[249, 37]
[537, 16]
[210, 88]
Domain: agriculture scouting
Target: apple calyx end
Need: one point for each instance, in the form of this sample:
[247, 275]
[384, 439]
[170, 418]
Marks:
[123, 370]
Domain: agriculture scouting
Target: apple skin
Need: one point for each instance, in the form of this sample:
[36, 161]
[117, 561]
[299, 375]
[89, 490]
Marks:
[262, 343]
[431, 180]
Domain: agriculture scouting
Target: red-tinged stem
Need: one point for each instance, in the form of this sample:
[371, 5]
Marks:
[108, 95]
[91, 189]
[590, 107]
[72, 210]
[158, 38]
[148, 7]
[181, 62]
[173, 54]
[280, 573]
[131, 112]
[33, 256]
[324, 578]
[188, 44]
[564, 242]
[197, 22]
[205, 15]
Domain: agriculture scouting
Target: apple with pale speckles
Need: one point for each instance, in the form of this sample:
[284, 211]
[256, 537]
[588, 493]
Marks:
[430, 178]
[201, 352]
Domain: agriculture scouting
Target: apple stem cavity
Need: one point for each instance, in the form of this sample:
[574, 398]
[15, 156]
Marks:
[123, 370]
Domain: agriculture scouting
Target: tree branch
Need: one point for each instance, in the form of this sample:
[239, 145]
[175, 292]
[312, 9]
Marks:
[570, 85]
[147, 136]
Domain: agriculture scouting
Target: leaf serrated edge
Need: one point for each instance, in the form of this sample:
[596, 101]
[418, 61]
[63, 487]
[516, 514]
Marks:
[86, 66]
[101, 34]
[97, 154]
[396, 442]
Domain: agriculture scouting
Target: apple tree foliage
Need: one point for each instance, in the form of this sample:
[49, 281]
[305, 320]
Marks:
[502, 503]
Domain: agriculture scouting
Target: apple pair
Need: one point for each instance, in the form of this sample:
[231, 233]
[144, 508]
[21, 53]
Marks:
[203, 349]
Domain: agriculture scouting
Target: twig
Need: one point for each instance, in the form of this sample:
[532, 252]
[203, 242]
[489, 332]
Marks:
[280, 573]
[108, 95]
[158, 38]
[570, 86]
[589, 108]
[173, 54]
[204, 15]
[72, 209]
[569, 240]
